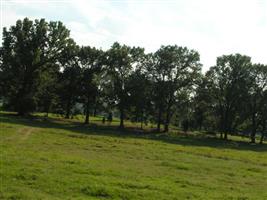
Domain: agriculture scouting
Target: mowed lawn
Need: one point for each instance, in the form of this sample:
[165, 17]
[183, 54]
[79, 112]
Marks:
[63, 159]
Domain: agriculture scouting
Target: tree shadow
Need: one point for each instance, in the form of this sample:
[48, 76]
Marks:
[201, 140]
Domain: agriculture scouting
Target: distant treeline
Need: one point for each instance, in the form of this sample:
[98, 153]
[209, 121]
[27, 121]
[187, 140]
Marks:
[42, 69]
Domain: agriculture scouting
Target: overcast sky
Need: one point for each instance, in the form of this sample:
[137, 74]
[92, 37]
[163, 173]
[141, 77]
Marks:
[212, 27]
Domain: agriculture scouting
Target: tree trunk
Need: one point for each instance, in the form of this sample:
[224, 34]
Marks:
[262, 138]
[87, 112]
[95, 106]
[221, 122]
[21, 104]
[86, 118]
[226, 127]
[263, 132]
[159, 119]
[167, 121]
[47, 108]
[21, 112]
[142, 119]
[166, 127]
[225, 136]
[95, 111]
[121, 118]
[253, 132]
[200, 125]
[67, 116]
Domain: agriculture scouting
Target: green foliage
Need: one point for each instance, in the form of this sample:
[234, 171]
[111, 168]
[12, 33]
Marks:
[257, 99]
[173, 69]
[140, 90]
[230, 83]
[43, 70]
[29, 49]
[69, 84]
[119, 61]
[91, 61]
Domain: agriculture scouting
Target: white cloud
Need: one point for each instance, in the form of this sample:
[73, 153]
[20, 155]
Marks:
[211, 27]
[83, 36]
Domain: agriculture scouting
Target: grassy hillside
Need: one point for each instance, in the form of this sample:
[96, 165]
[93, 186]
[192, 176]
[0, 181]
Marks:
[63, 159]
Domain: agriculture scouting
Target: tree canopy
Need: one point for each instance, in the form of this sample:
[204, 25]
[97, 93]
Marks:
[42, 69]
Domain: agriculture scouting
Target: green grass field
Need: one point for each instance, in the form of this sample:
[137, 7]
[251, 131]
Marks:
[64, 159]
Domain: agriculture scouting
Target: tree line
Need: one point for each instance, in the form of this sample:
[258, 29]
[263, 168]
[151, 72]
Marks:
[43, 69]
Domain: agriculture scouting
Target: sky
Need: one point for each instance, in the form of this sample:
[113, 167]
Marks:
[211, 27]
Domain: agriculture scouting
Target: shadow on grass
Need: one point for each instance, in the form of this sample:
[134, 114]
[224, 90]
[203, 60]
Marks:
[132, 132]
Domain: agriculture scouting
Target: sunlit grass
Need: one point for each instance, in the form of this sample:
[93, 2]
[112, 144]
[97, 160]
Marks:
[63, 159]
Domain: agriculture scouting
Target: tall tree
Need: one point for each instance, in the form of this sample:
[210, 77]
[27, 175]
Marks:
[29, 48]
[140, 92]
[69, 80]
[47, 95]
[257, 101]
[91, 63]
[173, 69]
[202, 103]
[263, 117]
[229, 88]
[120, 60]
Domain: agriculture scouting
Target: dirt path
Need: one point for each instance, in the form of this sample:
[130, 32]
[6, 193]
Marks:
[25, 133]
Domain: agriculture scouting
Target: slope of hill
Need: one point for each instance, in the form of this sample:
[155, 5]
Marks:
[63, 159]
